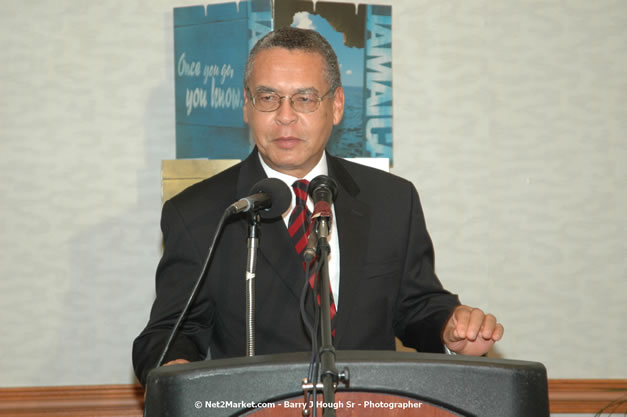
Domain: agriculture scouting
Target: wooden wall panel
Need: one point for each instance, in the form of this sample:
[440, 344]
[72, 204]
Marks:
[566, 396]
[588, 395]
[73, 401]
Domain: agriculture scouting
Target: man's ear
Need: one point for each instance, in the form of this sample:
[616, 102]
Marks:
[338, 105]
[246, 107]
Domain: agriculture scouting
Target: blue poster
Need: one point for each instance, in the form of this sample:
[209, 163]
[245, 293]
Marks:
[210, 49]
[211, 45]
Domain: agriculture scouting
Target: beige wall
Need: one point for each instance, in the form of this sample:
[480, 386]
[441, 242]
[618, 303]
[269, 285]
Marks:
[509, 118]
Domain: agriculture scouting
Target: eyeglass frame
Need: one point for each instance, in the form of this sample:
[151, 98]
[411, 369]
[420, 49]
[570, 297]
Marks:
[252, 97]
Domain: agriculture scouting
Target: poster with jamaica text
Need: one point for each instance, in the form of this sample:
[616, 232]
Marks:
[210, 48]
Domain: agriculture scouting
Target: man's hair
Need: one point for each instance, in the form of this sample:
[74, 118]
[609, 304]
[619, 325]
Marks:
[302, 40]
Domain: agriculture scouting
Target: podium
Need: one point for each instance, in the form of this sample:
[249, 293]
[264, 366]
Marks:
[381, 384]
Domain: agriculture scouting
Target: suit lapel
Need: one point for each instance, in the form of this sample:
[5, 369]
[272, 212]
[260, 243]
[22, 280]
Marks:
[353, 220]
[274, 237]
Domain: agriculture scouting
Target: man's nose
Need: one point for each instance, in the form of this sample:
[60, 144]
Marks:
[286, 114]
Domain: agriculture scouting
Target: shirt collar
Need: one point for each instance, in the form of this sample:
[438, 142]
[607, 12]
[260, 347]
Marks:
[321, 168]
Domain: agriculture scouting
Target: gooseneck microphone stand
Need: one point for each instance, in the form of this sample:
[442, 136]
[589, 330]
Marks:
[323, 191]
[251, 268]
[328, 369]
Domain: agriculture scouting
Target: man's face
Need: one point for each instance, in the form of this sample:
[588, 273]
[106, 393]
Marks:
[288, 141]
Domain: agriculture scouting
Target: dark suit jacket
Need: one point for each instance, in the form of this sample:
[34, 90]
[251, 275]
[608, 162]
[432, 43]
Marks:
[387, 282]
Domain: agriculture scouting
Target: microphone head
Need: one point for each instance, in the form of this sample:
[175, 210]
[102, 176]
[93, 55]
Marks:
[280, 196]
[325, 187]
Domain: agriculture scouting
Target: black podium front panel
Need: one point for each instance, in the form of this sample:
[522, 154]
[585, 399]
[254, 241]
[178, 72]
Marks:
[465, 386]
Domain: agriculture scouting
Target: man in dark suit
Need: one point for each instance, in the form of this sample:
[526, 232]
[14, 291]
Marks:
[381, 265]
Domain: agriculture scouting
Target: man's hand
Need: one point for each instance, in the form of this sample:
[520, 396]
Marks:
[176, 362]
[469, 331]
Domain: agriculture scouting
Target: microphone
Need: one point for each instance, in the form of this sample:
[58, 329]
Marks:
[323, 191]
[270, 197]
[322, 188]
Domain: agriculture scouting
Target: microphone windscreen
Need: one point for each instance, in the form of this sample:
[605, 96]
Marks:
[326, 184]
[280, 195]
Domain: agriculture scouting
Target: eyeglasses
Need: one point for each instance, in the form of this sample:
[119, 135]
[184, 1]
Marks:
[300, 102]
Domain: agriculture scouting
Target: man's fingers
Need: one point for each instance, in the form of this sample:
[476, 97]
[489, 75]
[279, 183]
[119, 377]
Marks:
[499, 330]
[488, 326]
[461, 319]
[491, 329]
[471, 323]
[468, 322]
[475, 324]
[176, 362]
